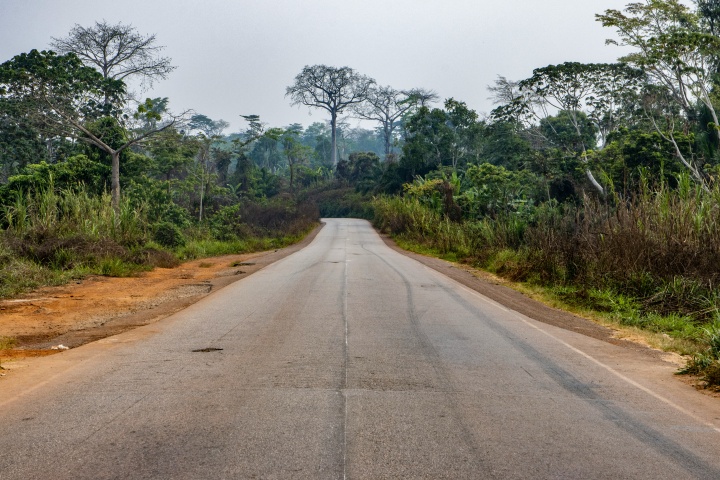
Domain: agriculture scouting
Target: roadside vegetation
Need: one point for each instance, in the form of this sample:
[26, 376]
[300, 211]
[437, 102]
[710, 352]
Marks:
[595, 186]
[650, 262]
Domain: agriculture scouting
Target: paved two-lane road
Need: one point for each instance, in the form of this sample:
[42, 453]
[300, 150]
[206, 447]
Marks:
[349, 360]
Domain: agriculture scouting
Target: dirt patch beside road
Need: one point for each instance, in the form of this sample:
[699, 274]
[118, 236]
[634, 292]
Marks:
[97, 307]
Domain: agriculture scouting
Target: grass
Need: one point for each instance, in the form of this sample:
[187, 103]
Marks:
[196, 249]
[425, 250]
[53, 236]
[671, 332]
[116, 267]
[73, 212]
[6, 343]
[20, 275]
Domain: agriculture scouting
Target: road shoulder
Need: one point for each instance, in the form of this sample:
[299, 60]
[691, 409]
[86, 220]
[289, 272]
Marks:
[78, 313]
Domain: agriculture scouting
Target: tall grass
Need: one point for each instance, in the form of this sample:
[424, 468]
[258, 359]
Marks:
[73, 212]
[51, 236]
[413, 221]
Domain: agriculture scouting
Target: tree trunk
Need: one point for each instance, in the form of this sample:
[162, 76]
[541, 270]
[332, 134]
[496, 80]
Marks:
[590, 176]
[594, 182]
[202, 198]
[115, 180]
[333, 137]
[584, 160]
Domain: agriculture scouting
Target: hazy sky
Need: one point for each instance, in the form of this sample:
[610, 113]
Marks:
[237, 56]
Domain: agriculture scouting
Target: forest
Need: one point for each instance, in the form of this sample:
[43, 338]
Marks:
[595, 186]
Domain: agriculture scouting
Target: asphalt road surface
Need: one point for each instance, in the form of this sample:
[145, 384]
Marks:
[349, 360]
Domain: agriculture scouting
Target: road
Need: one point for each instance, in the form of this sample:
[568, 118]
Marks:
[350, 360]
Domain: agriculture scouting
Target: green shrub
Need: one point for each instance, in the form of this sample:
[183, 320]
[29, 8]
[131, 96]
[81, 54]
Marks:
[116, 267]
[339, 201]
[168, 235]
[227, 225]
[711, 374]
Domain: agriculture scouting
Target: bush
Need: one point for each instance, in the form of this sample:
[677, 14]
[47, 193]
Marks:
[168, 235]
[155, 199]
[152, 255]
[279, 216]
[337, 201]
[78, 172]
[226, 224]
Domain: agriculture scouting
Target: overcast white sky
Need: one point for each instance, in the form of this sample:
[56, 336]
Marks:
[237, 56]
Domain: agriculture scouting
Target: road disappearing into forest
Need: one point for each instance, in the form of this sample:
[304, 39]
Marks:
[350, 360]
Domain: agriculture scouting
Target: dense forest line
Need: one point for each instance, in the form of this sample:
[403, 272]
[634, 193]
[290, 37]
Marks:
[596, 182]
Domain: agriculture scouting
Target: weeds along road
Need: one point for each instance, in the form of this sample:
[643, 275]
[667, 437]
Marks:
[349, 360]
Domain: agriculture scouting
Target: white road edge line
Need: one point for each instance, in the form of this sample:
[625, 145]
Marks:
[597, 362]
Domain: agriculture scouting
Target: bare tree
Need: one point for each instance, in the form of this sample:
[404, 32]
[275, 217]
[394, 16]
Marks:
[387, 106]
[119, 52]
[421, 97]
[331, 89]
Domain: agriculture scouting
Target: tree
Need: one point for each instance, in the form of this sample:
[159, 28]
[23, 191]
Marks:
[119, 52]
[583, 95]
[437, 137]
[295, 152]
[317, 135]
[466, 131]
[202, 172]
[573, 132]
[65, 98]
[709, 11]
[671, 47]
[680, 58]
[364, 140]
[387, 106]
[265, 150]
[428, 142]
[210, 128]
[331, 89]
[212, 162]
[173, 152]
[255, 127]
[421, 97]
[361, 169]
[20, 142]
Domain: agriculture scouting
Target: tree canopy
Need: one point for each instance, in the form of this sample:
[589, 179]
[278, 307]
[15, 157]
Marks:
[332, 89]
[118, 51]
